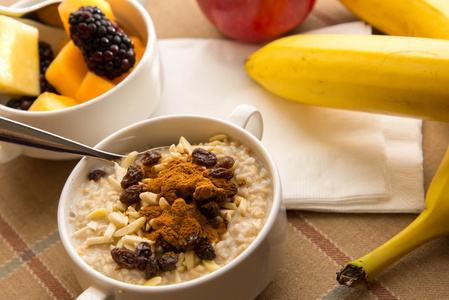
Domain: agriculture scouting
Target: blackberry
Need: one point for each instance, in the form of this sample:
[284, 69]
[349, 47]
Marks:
[21, 103]
[106, 49]
[46, 56]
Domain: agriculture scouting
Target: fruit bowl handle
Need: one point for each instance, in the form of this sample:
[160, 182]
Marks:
[249, 118]
[93, 293]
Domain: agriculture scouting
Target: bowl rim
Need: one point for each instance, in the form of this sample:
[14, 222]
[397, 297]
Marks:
[276, 206]
[150, 48]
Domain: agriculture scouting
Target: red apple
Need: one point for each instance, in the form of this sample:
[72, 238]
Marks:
[255, 21]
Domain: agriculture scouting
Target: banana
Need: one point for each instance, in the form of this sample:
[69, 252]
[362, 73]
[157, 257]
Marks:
[403, 76]
[420, 18]
[433, 222]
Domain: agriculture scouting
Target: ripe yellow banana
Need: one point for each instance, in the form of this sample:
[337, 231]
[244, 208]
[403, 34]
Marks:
[420, 18]
[433, 222]
[395, 75]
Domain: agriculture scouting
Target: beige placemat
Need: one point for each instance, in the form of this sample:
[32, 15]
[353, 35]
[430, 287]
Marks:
[33, 264]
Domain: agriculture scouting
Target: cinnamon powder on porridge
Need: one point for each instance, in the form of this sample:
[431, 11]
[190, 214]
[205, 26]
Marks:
[192, 195]
[174, 224]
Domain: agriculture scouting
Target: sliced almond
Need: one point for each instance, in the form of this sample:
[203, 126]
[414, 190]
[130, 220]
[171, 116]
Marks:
[97, 214]
[189, 259]
[93, 225]
[210, 265]
[149, 198]
[115, 184]
[131, 228]
[98, 240]
[243, 206]
[163, 202]
[129, 159]
[153, 281]
[80, 232]
[134, 239]
[228, 205]
[118, 219]
[109, 231]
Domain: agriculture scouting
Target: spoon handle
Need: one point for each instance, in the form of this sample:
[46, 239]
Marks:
[18, 133]
[27, 10]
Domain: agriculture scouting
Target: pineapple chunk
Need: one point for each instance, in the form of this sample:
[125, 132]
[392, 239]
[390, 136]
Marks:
[19, 58]
[50, 101]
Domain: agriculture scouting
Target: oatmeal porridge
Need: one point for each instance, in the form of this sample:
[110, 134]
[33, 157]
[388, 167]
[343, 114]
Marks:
[171, 216]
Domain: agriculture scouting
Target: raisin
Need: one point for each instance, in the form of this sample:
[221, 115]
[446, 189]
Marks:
[96, 174]
[140, 263]
[231, 189]
[150, 158]
[134, 175]
[143, 249]
[190, 243]
[152, 267]
[167, 262]
[131, 194]
[220, 196]
[209, 210]
[124, 258]
[205, 250]
[221, 173]
[227, 162]
[142, 252]
[228, 186]
[202, 248]
[213, 223]
[203, 157]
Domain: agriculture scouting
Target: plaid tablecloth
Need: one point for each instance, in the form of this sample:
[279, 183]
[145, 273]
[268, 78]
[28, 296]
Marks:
[33, 264]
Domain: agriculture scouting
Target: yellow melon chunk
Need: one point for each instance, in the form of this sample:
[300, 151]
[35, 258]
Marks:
[139, 49]
[19, 58]
[68, 6]
[67, 70]
[92, 87]
[50, 101]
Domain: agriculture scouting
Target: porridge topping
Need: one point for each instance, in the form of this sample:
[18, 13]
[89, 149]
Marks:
[96, 174]
[188, 222]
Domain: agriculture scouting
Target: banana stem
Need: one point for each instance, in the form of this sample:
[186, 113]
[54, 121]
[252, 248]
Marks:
[424, 228]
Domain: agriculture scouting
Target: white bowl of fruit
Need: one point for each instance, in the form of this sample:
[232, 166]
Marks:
[97, 74]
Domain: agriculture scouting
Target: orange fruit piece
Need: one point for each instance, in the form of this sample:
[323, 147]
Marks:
[50, 101]
[67, 70]
[92, 86]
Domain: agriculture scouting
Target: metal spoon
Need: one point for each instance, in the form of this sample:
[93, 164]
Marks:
[19, 133]
[32, 11]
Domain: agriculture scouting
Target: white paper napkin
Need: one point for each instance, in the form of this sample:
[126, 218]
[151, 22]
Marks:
[329, 159]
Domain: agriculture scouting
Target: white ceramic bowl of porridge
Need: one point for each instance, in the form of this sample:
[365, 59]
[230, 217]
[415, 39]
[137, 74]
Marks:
[245, 257]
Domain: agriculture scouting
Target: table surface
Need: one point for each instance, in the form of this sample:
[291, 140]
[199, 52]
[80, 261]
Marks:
[33, 264]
